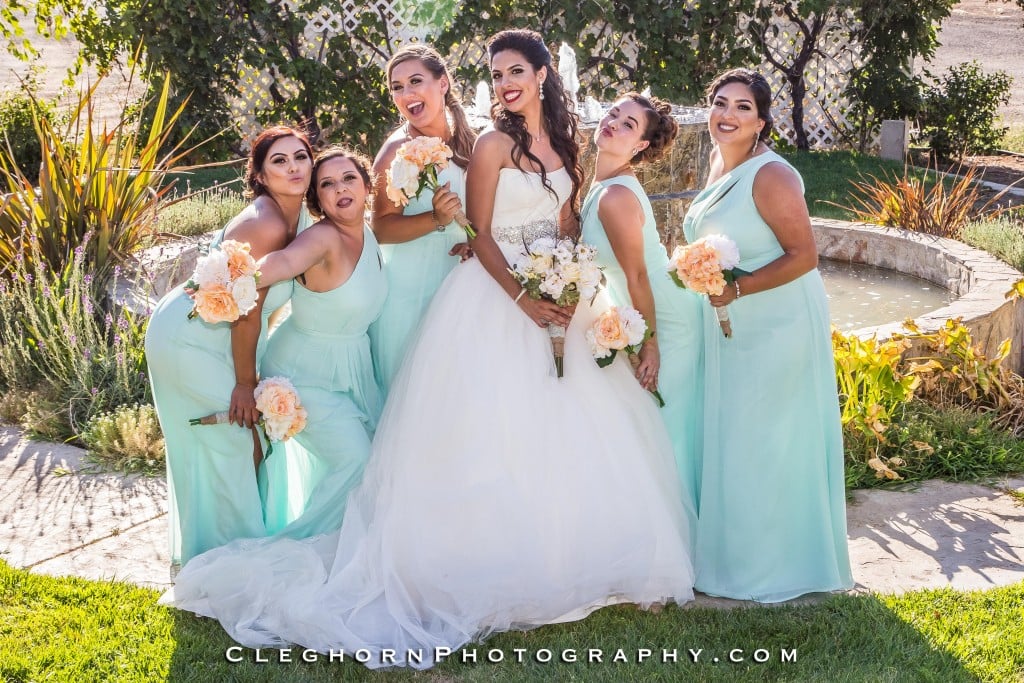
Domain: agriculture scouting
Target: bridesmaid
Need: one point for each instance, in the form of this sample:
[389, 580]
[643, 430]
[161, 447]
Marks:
[772, 518]
[323, 348]
[196, 368]
[618, 220]
[420, 244]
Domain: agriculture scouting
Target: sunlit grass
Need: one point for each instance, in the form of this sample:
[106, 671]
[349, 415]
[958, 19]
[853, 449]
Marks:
[72, 629]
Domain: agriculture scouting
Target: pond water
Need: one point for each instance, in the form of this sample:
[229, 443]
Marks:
[860, 295]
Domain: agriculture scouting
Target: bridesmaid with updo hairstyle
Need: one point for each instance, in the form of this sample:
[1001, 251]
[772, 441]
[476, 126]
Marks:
[618, 220]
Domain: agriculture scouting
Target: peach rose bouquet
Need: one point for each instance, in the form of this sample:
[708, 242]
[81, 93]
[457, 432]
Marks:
[223, 284]
[619, 329]
[282, 414]
[562, 271]
[706, 267]
[415, 167]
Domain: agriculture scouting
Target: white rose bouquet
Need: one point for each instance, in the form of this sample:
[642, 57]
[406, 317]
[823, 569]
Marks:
[619, 329]
[223, 284]
[562, 271]
[282, 414]
[706, 267]
[415, 167]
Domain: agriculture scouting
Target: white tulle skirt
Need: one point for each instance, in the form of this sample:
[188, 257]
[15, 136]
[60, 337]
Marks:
[497, 497]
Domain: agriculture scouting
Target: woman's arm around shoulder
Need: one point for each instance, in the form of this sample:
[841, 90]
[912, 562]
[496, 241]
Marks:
[310, 247]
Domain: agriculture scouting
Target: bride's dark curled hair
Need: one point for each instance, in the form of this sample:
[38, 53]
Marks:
[561, 122]
[661, 129]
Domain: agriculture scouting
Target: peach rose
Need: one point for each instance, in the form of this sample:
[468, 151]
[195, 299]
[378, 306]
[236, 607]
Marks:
[240, 261]
[273, 398]
[216, 305]
[610, 332]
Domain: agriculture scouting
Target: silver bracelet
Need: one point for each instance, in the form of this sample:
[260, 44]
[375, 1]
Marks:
[736, 282]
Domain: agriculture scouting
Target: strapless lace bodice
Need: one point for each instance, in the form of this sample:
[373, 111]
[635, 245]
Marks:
[524, 209]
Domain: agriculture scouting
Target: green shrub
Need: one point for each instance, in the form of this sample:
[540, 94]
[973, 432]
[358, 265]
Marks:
[127, 439]
[54, 336]
[959, 112]
[927, 442]
[1002, 237]
[200, 213]
[19, 139]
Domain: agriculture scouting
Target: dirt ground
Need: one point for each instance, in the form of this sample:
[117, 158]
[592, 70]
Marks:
[991, 32]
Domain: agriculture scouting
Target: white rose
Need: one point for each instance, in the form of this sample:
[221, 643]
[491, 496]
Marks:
[553, 285]
[276, 426]
[244, 292]
[570, 271]
[541, 263]
[405, 176]
[590, 280]
[212, 270]
[728, 252]
[634, 325]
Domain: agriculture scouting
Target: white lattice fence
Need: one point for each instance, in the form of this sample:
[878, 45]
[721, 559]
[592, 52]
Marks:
[826, 109]
[826, 76]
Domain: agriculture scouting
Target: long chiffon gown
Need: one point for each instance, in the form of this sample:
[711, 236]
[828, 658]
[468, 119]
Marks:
[324, 350]
[679, 328]
[772, 516]
[497, 495]
[414, 269]
[211, 482]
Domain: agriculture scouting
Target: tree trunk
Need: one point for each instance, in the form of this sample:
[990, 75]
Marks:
[797, 89]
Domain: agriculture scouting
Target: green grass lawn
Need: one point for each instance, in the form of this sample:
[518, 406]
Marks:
[827, 177]
[1014, 140]
[72, 629]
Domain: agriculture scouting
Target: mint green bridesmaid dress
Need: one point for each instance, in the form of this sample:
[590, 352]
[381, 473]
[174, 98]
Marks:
[772, 518]
[211, 480]
[324, 349]
[679, 328]
[414, 269]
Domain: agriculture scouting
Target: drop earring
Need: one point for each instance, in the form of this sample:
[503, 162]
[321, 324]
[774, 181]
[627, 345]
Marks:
[541, 84]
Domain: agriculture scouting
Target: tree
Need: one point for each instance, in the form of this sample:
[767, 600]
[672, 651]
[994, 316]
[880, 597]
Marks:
[891, 35]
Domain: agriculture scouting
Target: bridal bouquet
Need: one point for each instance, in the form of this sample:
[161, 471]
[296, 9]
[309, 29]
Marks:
[562, 271]
[282, 414]
[706, 267]
[223, 284]
[619, 329]
[415, 167]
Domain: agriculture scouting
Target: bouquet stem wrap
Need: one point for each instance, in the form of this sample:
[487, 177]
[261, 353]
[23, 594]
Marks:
[557, 334]
[214, 419]
[723, 320]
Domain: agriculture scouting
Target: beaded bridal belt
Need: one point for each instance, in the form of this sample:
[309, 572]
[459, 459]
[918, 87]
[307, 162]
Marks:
[516, 235]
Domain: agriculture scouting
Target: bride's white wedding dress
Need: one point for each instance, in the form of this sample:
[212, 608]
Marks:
[497, 496]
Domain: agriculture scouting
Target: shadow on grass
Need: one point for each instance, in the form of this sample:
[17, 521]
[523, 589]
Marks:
[842, 638]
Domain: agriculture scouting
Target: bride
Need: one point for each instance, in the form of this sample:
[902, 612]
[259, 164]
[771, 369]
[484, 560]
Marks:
[497, 496]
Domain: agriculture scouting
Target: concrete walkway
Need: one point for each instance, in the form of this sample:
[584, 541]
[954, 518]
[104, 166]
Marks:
[57, 518]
